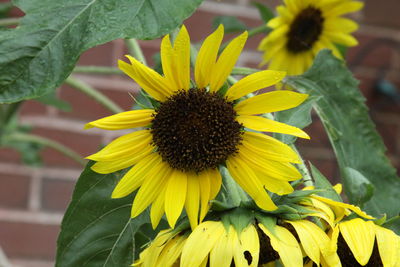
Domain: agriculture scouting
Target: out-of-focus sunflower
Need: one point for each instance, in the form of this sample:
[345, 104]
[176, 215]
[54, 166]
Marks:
[196, 127]
[304, 27]
[215, 244]
[363, 243]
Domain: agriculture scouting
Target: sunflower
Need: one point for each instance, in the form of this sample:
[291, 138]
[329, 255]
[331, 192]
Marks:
[215, 244]
[195, 128]
[304, 27]
[363, 243]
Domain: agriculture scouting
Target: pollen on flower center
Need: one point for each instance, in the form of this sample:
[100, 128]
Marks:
[305, 30]
[195, 130]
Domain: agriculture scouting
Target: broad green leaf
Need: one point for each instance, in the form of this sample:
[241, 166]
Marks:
[352, 133]
[52, 100]
[361, 189]
[37, 56]
[265, 12]
[321, 182]
[299, 117]
[97, 230]
[231, 24]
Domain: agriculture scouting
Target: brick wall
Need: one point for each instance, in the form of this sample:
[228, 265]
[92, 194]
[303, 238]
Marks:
[32, 200]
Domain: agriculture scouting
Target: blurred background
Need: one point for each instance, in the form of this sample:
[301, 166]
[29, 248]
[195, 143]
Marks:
[33, 199]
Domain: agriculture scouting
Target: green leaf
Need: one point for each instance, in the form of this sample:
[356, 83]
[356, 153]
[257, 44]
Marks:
[265, 12]
[52, 100]
[321, 182]
[97, 230]
[38, 56]
[299, 117]
[231, 24]
[352, 133]
[360, 188]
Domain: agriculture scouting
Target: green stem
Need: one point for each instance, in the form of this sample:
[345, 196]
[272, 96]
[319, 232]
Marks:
[22, 137]
[10, 111]
[9, 22]
[96, 95]
[243, 71]
[257, 30]
[97, 70]
[303, 169]
[135, 50]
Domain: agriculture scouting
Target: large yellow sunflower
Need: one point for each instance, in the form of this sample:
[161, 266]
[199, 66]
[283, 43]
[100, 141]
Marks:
[304, 27]
[195, 128]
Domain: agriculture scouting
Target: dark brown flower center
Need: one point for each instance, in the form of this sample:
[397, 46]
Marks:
[195, 130]
[305, 30]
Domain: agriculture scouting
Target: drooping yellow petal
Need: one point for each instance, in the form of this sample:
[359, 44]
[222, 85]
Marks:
[276, 186]
[270, 147]
[249, 242]
[155, 249]
[322, 210]
[200, 242]
[248, 180]
[226, 62]
[360, 237]
[172, 250]
[152, 82]
[388, 245]
[204, 183]
[124, 120]
[254, 82]
[125, 146]
[151, 187]
[176, 60]
[193, 199]
[175, 196]
[283, 242]
[207, 57]
[270, 102]
[222, 252]
[136, 175]
[266, 125]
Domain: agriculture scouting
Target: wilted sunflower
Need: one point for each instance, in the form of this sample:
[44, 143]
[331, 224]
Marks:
[304, 27]
[195, 128]
[363, 243]
[214, 244]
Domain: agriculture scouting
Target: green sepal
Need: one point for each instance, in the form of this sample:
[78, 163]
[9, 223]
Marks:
[239, 218]
[320, 182]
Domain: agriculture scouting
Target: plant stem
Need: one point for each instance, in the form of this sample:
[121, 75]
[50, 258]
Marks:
[97, 70]
[49, 143]
[258, 30]
[135, 50]
[303, 169]
[243, 71]
[96, 95]
[10, 111]
[9, 22]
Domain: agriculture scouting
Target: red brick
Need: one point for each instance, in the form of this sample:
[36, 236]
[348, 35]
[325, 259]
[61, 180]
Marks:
[316, 131]
[32, 107]
[101, 55]
[27, 240]
[80, 143]
[9, 155]
[86, 108]
[56, 194]
[388, 132]
[14, 190]
[382, 14]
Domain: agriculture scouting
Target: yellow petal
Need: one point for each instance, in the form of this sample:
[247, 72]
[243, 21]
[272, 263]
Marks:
[156, 248]
[388, 245]
[342, 38]
[135, 176]
[322, 209]
[193, 199]
[283, 242]
[207, 57]
[204, 183]
[200, 242]
[171, 251]
[152, 186]
[175, 196]
[276, 186]
[123, 120]
[360, 237]
[222, 253]
[254, 82]
[128, 145]
[152, 82]
[344, 7]
[157, 209]
[248, 180]
[266, 125]
[270, 102]
[215, 182]
[176, 60]
[270, 147]
[340, 24]
[226, 62]
[249, 242]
